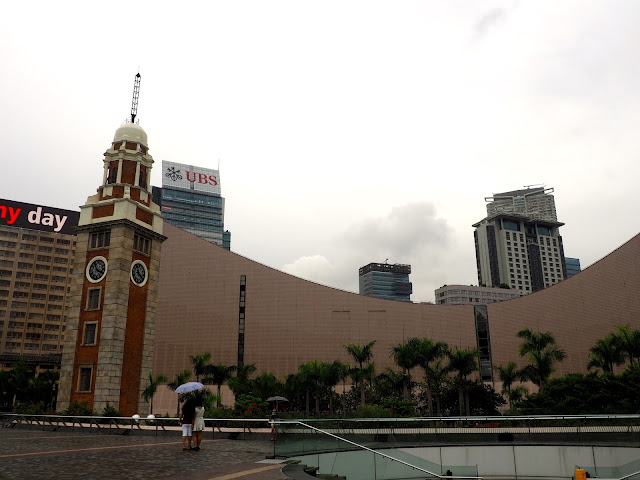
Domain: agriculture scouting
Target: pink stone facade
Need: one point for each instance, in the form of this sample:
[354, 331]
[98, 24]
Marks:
[290, 321]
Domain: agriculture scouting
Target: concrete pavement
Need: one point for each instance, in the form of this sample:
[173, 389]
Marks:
[34, 454]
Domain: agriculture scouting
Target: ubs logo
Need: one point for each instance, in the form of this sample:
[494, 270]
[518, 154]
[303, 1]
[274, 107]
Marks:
[192, 177]
[173, 174]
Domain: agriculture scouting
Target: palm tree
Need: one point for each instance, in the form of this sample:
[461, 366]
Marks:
[217, 375]
[310, 374]
[152, 388]
[178, 380]
[344, 370]
[266, 385]
[360, 355]
[463, 361]
[542, 351]
[630, 340]
[331, 375]
[390, 384]
[293, 385]
[508, 374]
[516, 394]
[240, 384]
[19, 377]
[430, 351]
[406, 356]
[438, 375]
[606, 353]
[199, 363]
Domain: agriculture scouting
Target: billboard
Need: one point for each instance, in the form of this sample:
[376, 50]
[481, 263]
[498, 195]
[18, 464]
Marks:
[38, 217]
[188, 177]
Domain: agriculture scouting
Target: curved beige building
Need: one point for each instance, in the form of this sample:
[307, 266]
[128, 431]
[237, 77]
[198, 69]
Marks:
[288, 321]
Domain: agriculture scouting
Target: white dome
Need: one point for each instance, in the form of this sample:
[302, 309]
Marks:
[132, 133]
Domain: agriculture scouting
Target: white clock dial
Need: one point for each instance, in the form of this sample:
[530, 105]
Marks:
[96, 269]
[139, 274]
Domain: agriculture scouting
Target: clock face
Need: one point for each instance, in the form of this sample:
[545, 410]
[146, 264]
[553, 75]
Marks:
[139, 273]
[96, 269]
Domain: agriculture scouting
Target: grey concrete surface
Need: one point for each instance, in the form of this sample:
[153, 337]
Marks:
[34, 454]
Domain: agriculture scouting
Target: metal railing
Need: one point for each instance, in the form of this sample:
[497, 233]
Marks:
[377, 453]
[91, 423]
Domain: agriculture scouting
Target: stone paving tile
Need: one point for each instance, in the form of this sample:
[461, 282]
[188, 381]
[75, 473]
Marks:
[31, 454]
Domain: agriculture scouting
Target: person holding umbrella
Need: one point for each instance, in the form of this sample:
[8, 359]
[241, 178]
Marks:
[186, 420]
[274, 414]
[188, 412]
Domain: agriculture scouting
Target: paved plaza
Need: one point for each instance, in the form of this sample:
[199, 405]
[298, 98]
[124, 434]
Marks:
[35, 454]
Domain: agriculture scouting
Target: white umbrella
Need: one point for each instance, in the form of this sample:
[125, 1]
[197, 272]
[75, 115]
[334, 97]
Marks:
[189, 387]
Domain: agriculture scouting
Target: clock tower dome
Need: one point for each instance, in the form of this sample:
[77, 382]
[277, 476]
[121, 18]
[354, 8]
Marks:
[108, 344]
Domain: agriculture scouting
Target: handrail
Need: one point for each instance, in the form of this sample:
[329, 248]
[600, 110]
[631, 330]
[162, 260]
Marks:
[375, 452]
[630, 475]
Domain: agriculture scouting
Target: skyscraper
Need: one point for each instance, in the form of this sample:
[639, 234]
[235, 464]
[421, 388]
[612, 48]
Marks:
[383, 280]
[573, 266]
[190, 198]
[518, 244]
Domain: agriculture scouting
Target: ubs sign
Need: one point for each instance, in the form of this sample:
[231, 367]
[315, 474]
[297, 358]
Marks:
[38, 217]
[188, 177]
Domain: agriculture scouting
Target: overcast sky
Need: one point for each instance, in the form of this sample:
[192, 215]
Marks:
[347, 132]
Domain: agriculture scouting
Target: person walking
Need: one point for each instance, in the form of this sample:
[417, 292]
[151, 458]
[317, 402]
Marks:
[186, 420]
[198, 424]
[273, 416]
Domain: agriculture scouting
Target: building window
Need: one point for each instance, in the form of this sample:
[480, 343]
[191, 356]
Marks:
[90, 331]
[141, 244]
[93, 299]
[100, 239]
[84, 378]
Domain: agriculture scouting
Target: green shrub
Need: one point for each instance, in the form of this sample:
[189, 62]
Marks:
[29, 408]
[373, 411]
[399, 407]
[78, 409]
[248, 406]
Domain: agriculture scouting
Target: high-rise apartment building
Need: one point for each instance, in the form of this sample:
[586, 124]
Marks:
[519, 244]
[190, 198]
[383, 280]
[37, 247]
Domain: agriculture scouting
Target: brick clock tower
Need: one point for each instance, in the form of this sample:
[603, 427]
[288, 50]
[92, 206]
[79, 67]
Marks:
[108, 343]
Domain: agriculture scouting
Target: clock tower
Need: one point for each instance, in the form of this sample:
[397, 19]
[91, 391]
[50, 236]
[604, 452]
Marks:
[108, 343]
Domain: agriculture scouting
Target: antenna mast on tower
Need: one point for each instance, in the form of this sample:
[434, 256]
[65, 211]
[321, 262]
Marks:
[136, 94]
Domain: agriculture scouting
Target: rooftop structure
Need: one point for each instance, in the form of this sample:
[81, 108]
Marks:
[472, 294]
[537, 203]
[383, 280]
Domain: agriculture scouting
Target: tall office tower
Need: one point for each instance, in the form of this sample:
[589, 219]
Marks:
[190, 198]
[108, 344]
[37, 246]
[573, 266]
[383, 280]
[519, 244]
[537, 203]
